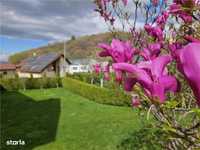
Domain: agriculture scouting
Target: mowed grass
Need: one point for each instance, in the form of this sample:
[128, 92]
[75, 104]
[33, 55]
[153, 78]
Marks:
[56, 119]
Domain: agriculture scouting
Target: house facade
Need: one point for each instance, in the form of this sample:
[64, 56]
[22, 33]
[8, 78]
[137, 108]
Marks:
[49, 65]
[7, 70]
[80, 65]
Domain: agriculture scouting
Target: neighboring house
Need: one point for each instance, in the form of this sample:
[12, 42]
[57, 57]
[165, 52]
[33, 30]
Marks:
[7, 70]
[48, 65]
[80, 65]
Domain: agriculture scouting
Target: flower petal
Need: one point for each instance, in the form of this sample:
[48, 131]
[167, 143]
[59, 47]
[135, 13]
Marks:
[141, 75]
[189, 62]
[159, 64]
[129, 83]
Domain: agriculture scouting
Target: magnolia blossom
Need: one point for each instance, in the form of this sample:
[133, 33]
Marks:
[129, 83]
[189, 64]
[106, 71]
[125, 2]
[161, 20]
[152, 51]
[176, 10]
[97, 68]
[191, 39]
[135, 102]
[103, 11]
[150, 75]
[119, 51]
[155, 32]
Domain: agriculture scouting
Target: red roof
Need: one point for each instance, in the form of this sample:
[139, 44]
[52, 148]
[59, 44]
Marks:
[4, 67]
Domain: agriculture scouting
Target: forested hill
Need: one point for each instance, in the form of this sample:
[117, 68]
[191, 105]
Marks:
[80, 47]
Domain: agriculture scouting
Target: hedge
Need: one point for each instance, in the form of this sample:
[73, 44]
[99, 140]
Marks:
[87, 77]
[96, 93]
[13, 84]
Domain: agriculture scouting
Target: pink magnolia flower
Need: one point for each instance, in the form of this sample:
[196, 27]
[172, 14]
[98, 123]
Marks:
[135, 102]
[97, 68]
[118, 76]
[161, 20]
[176, 10]
[106, 71]
[129, 83]
[152, 51]
[190, 38]
[184, 2]
[150, 75]
[189, 64]
[187, 18]
[103, 2]
[125, 2]
[155, 32]
[119, 51]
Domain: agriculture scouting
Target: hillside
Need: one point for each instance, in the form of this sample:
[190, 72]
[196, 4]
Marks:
[81, 47]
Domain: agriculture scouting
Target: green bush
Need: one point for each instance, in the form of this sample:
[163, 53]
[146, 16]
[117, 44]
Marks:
[87, 77]
[97, 94]
[11, 84]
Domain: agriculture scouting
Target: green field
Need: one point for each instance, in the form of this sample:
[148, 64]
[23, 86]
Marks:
[56, 119]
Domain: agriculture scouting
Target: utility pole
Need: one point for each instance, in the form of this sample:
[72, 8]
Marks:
[64, 49]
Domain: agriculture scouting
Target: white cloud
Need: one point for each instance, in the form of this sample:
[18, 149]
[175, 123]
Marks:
[51, 19]
[4, 57]
[47, 20]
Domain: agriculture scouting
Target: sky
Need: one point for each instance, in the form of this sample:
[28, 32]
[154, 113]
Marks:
[27, 24]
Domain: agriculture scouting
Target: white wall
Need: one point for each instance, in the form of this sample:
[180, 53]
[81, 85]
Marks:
[28, 75]
[63, 65]
[77, 69]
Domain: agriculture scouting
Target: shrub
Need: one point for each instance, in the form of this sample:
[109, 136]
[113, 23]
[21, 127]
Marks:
[85, 77]
[88, 77]
[97, 94]
[12, 84]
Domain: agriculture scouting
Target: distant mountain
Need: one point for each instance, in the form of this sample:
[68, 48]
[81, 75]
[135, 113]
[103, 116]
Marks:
[81, 47]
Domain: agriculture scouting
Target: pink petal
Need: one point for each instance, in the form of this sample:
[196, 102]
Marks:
[135, 102]
[159, 64]
[129, 83]
[170, 83]
[189, 65]
[142, 77]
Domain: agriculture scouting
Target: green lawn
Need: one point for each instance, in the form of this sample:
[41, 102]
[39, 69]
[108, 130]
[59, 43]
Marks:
[56, 119]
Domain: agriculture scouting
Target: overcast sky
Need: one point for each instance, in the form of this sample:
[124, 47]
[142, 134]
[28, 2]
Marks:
[27, 24]
[49, 19]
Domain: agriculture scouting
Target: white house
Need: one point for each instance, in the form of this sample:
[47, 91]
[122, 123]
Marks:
[80, 65]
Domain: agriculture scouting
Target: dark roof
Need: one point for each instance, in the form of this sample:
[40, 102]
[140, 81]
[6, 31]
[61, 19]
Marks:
[4, 67]
[37, 64]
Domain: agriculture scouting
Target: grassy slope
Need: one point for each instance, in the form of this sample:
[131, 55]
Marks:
[56, 119]
[81, 47]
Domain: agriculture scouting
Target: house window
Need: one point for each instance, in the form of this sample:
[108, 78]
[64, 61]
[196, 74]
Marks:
[74, 68]
[83, 67]
[5, 73]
